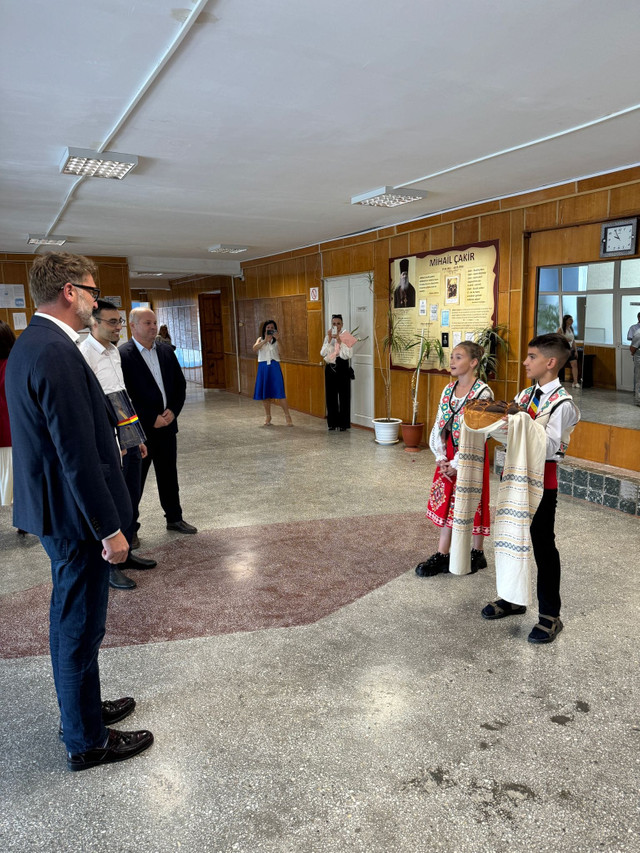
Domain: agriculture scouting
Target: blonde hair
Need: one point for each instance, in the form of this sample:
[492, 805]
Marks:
[473, 349]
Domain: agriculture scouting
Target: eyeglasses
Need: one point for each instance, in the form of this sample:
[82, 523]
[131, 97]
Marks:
[94, 291]
[114, 323]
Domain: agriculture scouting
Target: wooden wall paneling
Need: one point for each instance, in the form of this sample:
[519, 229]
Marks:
[400, 245]
[512, 389]
[590, 441]
[442, 237]
[289, 277]
[583, 208]
[466, 231]
[315, 336]
[624, 201]
[276, 279]
[419, 241]
[316, 391]
[313, 271]
[361, 259]
[293, 310]
[252, 278]
[541, 216]
[623, 176]
[537, 196]
[502, 312]
[624, 448]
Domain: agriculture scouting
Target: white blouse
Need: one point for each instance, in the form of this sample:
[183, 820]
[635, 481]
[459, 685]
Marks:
[328, 347]
[437, 440]
[269, 352]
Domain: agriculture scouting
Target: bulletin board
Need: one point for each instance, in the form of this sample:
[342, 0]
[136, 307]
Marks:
[451, 294]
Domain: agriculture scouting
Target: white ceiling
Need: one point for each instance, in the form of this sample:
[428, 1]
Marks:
[269, 115]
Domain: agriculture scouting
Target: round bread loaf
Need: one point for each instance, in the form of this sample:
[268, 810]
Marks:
[479, 414]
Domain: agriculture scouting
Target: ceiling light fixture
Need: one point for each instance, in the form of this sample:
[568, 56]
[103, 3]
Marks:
[389, 197]
[222, 249]
[91, 164]
[41, 240]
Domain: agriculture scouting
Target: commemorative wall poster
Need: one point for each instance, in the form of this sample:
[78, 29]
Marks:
[451, 294]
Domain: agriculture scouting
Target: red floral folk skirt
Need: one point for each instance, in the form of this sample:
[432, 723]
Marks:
[443, 495]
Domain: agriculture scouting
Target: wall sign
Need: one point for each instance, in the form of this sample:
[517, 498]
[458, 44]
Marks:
[450, 294]
[314, 294]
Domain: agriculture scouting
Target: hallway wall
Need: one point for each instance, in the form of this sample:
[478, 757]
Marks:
[565, 217]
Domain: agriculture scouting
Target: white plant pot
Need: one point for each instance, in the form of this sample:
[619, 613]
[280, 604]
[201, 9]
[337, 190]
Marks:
[387, 430]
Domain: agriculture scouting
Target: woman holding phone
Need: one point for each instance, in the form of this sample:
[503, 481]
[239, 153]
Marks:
[337, 377]
[269, 381]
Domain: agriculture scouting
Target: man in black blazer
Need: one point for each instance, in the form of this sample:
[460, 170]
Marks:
[157, 387]
[69, 491]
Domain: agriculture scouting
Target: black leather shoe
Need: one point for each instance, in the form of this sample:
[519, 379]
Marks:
[435, 565]
[119, 581]
[119, 747]
[134, 562]
[181, 527]
[112, 711]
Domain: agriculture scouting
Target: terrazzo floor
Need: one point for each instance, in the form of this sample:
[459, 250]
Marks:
[307, 691]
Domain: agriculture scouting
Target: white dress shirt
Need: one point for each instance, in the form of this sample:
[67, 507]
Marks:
[151, 360]
[105, 363]
[562, 418]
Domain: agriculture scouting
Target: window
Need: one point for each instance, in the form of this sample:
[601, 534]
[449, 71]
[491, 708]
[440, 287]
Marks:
[591, 294]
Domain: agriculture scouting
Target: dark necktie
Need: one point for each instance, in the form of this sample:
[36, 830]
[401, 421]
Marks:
[534, 404]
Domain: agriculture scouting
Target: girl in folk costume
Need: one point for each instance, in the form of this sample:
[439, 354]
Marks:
[444, 439]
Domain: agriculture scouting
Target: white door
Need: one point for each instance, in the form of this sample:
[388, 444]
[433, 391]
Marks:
[352, 296]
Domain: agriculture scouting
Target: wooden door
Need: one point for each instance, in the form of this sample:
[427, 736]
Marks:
[210, 307]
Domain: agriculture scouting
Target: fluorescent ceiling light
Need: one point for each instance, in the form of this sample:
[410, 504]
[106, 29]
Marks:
[91, 164]
[389, 197]
[145, 274]
[41, 240]
[221, 249]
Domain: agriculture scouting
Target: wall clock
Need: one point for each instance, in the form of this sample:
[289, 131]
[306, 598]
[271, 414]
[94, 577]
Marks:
[618, 238]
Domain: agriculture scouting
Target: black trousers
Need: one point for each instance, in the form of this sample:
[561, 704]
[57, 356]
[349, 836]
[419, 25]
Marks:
[337, 389]
[543, 539]
[163, 452]
[132, 471]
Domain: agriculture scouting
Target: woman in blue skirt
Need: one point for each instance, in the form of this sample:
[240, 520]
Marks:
[269, 381]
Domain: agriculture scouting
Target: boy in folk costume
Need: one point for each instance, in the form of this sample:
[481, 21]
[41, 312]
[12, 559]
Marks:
[548, 403]
[444, 439]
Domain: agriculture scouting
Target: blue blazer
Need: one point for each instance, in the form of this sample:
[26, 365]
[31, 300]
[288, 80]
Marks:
[143, 388]
[67, 474]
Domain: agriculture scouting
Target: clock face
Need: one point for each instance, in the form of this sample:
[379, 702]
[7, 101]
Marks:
[619, 238]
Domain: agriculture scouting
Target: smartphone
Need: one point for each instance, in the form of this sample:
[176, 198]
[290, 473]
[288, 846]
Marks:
[334, 330]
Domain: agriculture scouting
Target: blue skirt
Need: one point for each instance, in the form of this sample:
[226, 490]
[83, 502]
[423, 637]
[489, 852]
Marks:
[269, 382]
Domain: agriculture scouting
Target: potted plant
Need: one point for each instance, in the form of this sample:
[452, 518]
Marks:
[387, 428]
[412, 433]
[492, 342]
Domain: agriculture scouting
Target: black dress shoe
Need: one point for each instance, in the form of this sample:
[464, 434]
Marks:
[134, 562]
[119, 747]
[112, 711]
[181, 527]
[117, 709]
[119, 581]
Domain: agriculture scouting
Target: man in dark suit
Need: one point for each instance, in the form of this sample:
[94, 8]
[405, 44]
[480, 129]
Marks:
[157, 387]
[69, 491]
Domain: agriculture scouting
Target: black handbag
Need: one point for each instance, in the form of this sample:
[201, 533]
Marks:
[351, 373]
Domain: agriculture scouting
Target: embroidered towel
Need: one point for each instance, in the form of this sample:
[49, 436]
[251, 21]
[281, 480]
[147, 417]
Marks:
[519, 494]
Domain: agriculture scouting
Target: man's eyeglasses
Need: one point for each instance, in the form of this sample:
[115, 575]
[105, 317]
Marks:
[94, 291]
[114, 323]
